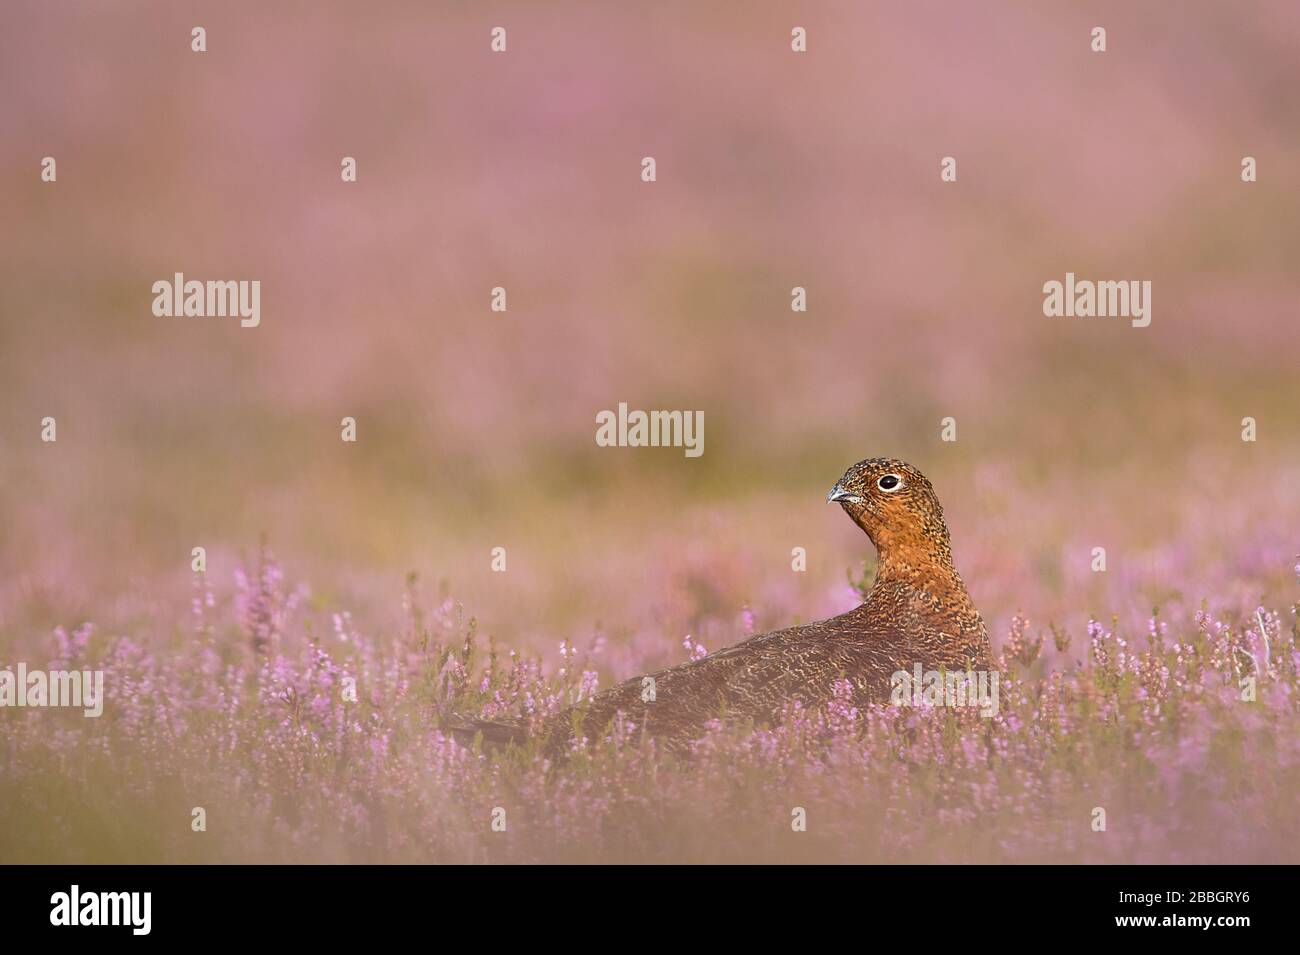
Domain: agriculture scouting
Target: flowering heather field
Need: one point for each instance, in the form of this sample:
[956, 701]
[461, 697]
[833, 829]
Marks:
[1120, 690]
[238, 709]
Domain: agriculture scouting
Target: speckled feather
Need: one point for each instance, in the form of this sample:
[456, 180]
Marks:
[918, 611]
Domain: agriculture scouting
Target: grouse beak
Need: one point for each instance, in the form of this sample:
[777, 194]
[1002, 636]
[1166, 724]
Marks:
[837, 493]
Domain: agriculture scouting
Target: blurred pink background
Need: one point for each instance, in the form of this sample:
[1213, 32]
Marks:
[775, 169]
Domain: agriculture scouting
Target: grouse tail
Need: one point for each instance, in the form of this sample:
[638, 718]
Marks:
[496, 734]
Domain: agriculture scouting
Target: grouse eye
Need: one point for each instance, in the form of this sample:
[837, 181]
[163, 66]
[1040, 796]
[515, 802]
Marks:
[890, 482]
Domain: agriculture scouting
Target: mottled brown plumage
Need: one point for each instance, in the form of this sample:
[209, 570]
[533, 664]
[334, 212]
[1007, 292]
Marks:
[918, 611]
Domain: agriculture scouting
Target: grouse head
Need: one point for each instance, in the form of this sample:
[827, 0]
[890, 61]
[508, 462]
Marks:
[896, 506]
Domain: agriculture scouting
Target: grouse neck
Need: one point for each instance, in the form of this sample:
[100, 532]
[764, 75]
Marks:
[931, 571]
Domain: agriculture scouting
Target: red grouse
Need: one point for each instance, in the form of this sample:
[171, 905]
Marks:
[918, 611]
